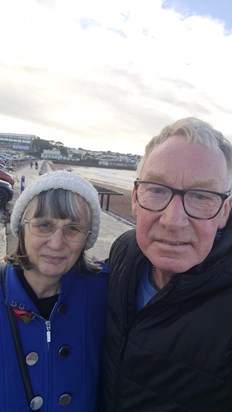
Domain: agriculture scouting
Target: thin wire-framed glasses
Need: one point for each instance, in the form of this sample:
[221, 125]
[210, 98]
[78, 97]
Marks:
[72, 232]
[198, 204]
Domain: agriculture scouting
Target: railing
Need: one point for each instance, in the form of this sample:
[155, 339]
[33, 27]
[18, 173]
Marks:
[106, 193]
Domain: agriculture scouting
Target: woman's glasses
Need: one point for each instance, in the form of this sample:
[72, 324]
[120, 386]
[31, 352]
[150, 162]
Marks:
[72, 232]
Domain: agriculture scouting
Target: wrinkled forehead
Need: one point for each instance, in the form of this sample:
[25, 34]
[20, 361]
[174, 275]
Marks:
[187, 164]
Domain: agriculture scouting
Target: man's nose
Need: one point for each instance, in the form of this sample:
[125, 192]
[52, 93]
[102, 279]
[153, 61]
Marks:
[174, 214]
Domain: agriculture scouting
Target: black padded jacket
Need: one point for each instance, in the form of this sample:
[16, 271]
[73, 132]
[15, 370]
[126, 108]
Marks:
[174, 355]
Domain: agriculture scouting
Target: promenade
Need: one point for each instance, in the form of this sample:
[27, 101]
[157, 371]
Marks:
[111, 226]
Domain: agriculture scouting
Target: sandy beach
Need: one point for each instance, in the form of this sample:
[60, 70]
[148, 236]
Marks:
[119, 205]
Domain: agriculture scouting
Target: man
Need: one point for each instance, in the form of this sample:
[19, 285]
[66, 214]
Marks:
[169, 336]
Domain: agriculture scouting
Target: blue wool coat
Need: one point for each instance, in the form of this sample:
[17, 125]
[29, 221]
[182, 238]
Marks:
[66, 351]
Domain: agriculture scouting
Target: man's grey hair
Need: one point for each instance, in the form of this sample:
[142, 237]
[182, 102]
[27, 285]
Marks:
[194, 130]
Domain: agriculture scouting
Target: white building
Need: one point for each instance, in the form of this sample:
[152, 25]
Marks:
[51, 154]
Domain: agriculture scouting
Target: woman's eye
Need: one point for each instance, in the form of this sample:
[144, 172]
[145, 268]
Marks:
[72, 228]
[44, 226]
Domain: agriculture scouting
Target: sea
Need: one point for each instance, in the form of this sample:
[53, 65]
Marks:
[115, 177]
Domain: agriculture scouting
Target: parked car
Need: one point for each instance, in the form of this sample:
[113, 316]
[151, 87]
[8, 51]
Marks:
[7, 177]
[6, 192]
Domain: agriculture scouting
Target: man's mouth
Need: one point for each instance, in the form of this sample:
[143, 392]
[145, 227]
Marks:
[171, 243]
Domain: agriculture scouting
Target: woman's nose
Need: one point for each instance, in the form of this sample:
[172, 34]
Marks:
[57, 238]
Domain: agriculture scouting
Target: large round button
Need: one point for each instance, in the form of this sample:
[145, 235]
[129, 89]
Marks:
[62, 309]
[36, 403]
[64, 351]
[65, 399]
[32, 358]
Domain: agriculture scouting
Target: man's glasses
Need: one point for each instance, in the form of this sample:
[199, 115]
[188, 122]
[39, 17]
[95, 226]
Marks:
[199, 204]
[46, 227]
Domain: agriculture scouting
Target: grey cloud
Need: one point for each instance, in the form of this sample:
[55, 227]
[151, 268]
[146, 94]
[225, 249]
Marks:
[117, 31]
[86, 22]
[134, 106]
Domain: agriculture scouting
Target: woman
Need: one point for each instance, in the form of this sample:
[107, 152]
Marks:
[57, 297]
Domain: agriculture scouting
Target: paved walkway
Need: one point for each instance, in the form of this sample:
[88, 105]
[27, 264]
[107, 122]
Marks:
[111, 226]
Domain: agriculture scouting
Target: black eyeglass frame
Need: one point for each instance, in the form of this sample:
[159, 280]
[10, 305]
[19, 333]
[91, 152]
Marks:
[181, 193]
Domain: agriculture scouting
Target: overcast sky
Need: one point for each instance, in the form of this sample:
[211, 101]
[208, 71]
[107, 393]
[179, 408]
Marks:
[110, 74]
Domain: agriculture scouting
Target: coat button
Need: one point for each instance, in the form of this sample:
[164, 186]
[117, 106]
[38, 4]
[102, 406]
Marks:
[65, 399]
[36, 403]
[64, 351]
[62, 309]
[32, 358]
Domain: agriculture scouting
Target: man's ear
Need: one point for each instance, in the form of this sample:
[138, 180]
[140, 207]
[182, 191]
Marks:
[134, 204]
[225, 213]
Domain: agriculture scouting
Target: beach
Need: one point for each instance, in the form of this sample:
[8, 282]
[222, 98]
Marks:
[119, 205]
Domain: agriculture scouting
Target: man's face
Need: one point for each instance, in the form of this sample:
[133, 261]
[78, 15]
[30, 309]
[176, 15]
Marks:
[171, 240]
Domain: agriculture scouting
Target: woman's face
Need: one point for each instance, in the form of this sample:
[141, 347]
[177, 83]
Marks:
[51, 256]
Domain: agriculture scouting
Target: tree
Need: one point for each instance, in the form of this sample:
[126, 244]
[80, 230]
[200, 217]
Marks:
[38, 145]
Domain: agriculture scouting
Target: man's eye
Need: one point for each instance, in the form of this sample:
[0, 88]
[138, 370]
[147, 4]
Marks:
[158, 190]
[200, 196]
[155, 190]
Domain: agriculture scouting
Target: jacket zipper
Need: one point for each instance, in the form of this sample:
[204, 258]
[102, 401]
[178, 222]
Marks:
[48, 330]
[48, 325]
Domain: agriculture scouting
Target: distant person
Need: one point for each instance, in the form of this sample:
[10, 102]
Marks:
[169, 329]
[36, 165]
[31, 164]
[57, 298]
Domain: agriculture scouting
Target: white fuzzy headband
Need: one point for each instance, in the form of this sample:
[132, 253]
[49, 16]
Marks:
[60, 180]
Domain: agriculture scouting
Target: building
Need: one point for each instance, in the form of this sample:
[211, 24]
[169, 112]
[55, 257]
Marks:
[16, 141]
[53, 154]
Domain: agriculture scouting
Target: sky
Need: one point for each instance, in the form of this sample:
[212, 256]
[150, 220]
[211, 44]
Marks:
[110, 74]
